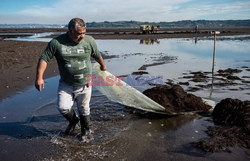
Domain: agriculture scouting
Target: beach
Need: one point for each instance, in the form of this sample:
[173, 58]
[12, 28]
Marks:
[19, 58]
[18, 67]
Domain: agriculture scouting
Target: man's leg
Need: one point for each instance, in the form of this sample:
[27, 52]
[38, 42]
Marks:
[83, 100]
[73, 120]
[65, 103]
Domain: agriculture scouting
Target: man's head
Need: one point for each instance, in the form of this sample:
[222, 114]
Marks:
[76, 29]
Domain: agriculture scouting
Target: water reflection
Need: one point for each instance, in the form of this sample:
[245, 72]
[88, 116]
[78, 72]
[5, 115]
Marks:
[195, 40]
[149, 41]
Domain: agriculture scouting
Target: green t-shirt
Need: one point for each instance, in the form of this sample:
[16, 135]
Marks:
[73, 59]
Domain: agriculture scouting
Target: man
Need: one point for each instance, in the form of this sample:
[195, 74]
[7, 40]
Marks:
[73, 51]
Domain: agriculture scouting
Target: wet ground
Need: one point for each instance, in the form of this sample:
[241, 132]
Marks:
[32, 131]
[232, 125]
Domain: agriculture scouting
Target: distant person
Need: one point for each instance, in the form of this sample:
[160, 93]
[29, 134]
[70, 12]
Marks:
[152, 29]
[196, 29]
[73, 51]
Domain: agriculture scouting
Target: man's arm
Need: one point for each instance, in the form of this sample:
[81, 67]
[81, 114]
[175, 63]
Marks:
[101, 62]
[39, 83]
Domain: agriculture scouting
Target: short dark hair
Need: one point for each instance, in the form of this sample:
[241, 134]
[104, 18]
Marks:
[74, 23]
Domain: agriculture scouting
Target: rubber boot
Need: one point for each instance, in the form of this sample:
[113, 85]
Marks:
[73, 120]
[86, 133]
[85, 123]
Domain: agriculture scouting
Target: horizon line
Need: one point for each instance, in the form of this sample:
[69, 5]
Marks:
[122, 21]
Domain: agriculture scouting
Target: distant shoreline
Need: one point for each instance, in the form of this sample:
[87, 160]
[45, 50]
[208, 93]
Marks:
[129, 33]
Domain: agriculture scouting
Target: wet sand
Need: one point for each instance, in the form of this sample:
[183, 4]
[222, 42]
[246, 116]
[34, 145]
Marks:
[18, 65]
[18, 72]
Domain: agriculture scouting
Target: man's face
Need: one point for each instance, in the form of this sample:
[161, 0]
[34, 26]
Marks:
[78, 34]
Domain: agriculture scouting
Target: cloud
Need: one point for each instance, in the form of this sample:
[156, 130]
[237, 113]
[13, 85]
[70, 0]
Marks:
[213, 11]
[140, 10]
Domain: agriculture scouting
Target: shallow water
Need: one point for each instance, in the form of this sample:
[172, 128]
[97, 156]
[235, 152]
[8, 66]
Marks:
[191, 57]
[123, 133]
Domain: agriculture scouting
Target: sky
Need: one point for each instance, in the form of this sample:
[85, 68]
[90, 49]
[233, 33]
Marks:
[61, 11]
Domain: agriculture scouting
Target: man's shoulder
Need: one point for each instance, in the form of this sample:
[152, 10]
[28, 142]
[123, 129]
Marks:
[88, 38]
[59, 39]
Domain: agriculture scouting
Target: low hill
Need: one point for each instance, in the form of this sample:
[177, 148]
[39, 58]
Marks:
[184, 23]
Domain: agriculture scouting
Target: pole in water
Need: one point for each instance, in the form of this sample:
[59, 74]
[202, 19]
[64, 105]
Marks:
[215, 33]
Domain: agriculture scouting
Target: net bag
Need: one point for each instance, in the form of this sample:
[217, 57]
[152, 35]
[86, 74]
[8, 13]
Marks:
[119, 91]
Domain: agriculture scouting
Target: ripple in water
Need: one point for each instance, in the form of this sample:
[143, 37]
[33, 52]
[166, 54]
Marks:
[108, 120]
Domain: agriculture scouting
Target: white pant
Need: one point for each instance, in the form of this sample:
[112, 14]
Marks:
[67, 95]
